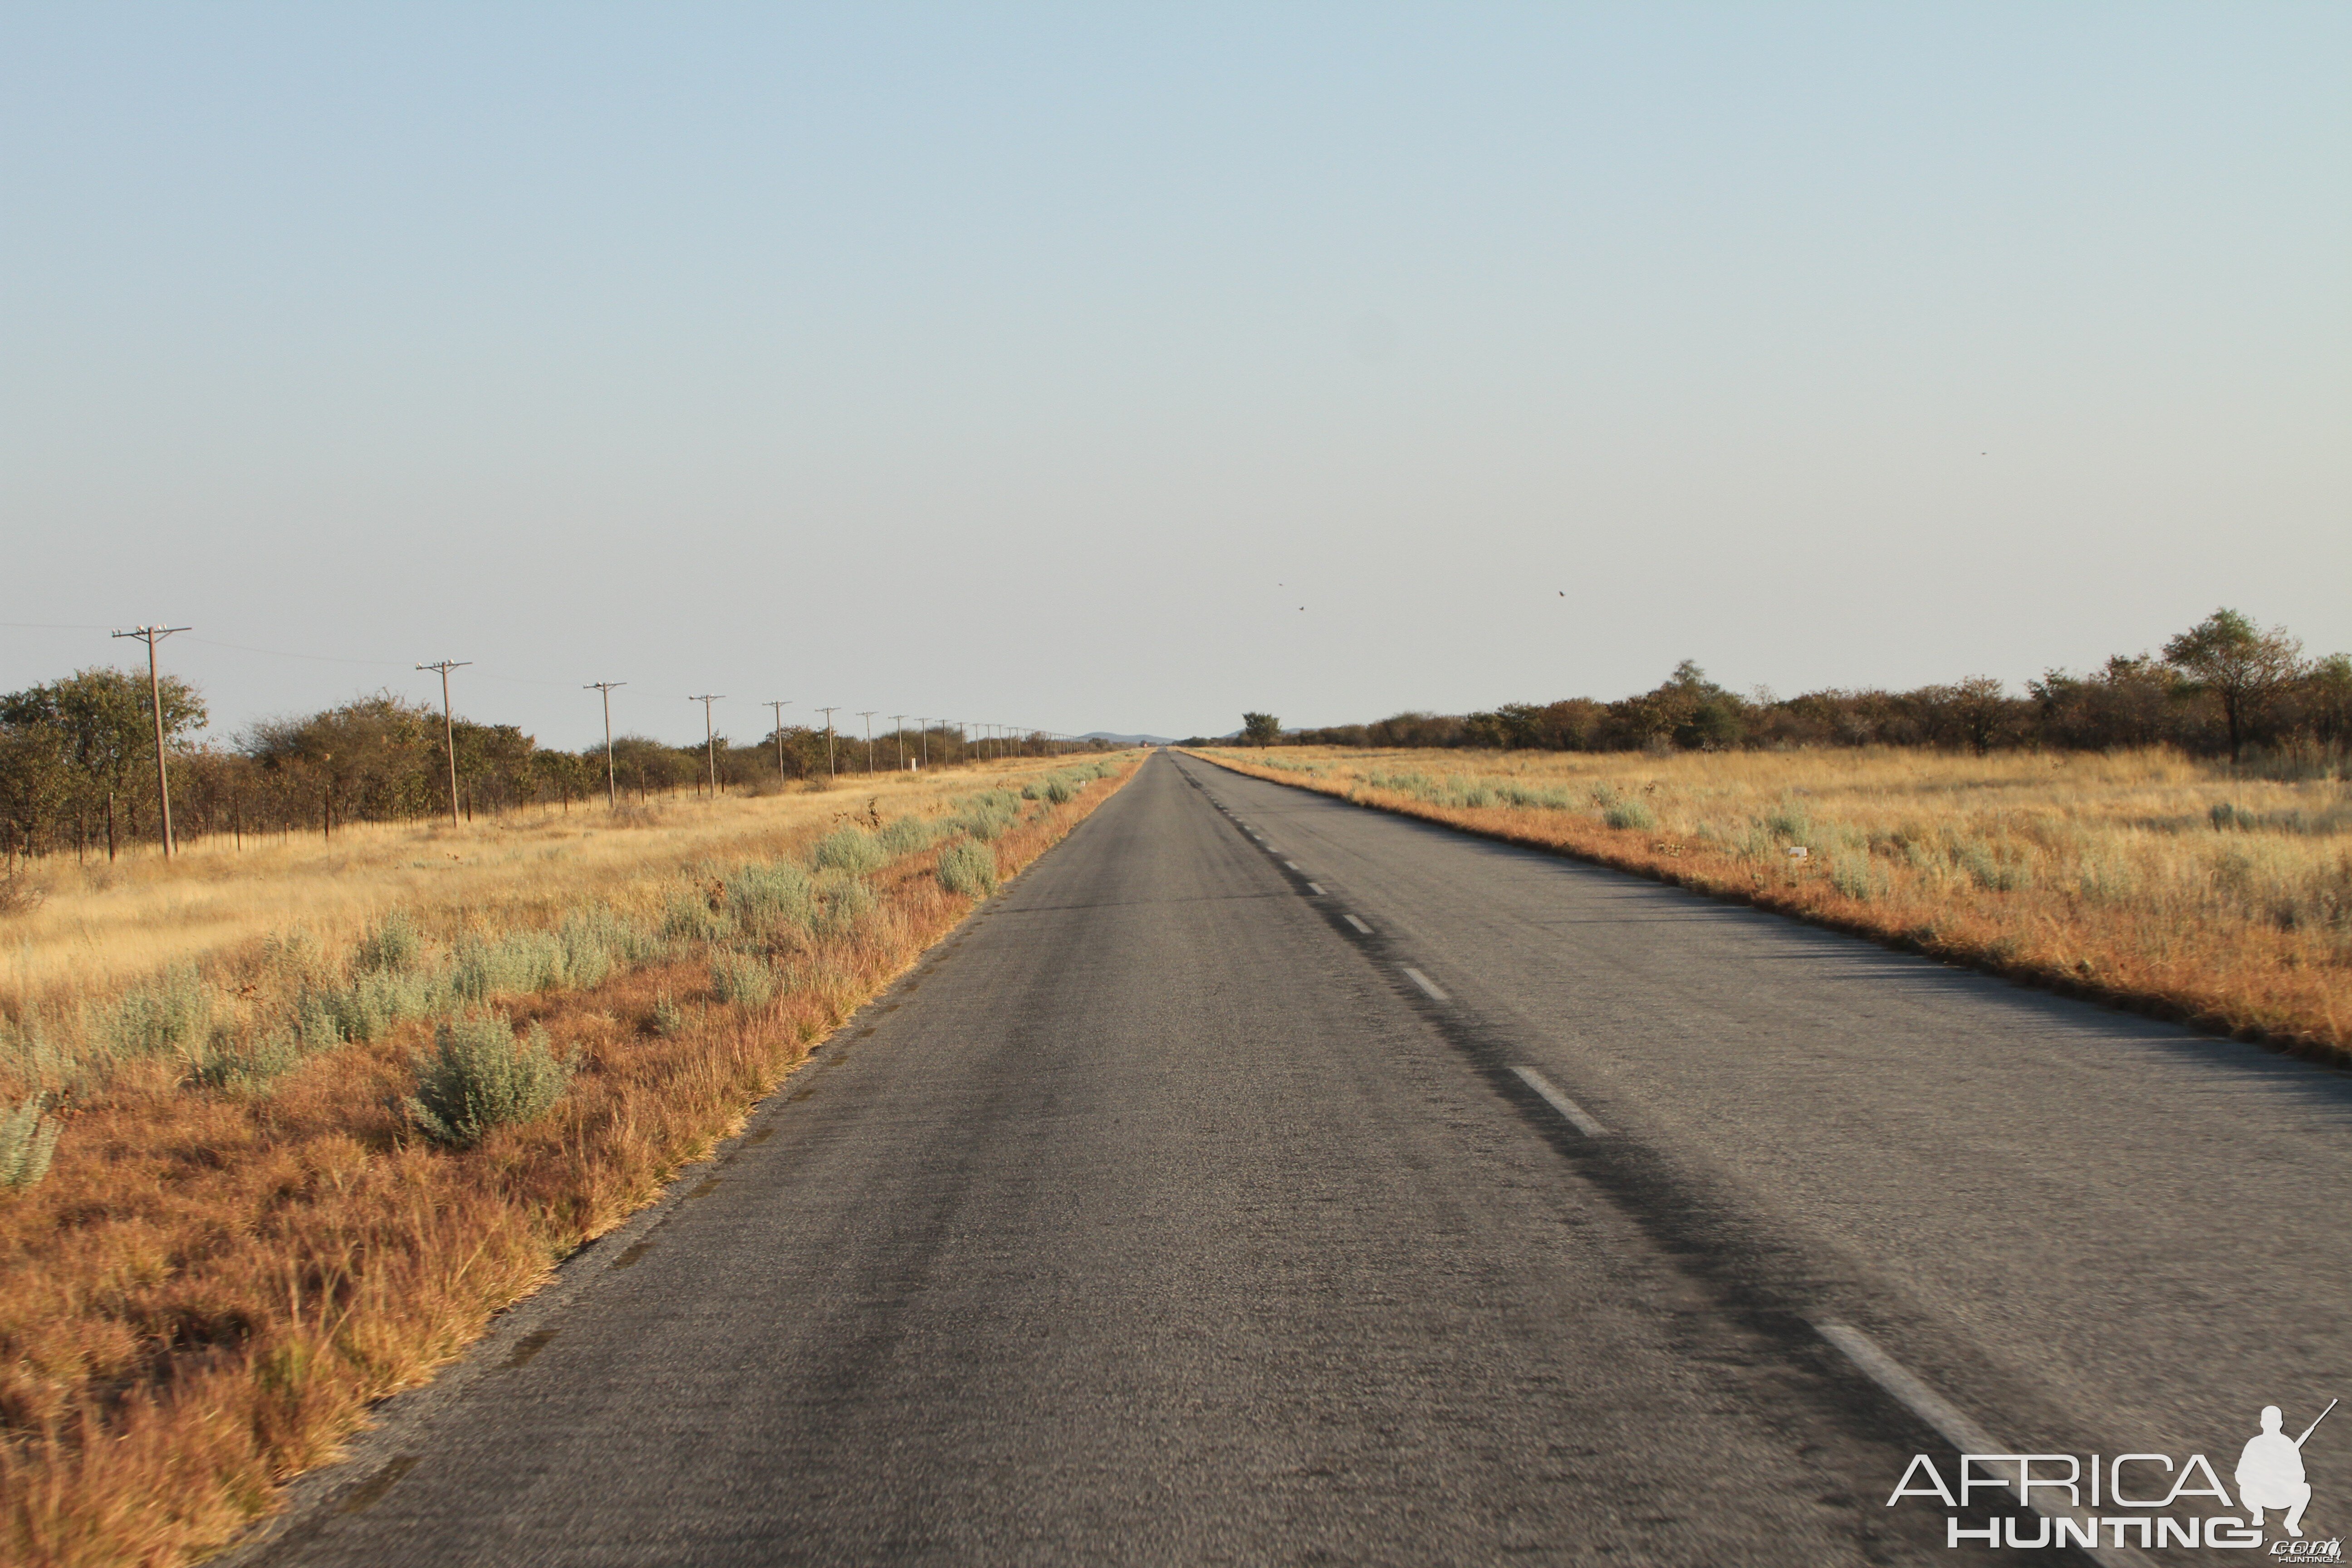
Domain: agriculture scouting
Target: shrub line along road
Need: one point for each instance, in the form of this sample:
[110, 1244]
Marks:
[1262, 1179]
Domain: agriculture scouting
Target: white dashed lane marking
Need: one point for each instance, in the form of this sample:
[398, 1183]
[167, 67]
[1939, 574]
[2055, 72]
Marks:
[1360, 925]
[1583, 1120]
[1914, 1394]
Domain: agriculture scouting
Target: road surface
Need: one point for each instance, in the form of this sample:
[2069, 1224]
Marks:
[1263, 1180]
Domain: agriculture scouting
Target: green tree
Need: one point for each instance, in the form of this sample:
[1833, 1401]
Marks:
[35, 784]
[1261, 729]
[2243, 667]
[1686, 710]
[1974, 712]
[371, 757]
[568, 778]
[2327, 699]
[101, 721]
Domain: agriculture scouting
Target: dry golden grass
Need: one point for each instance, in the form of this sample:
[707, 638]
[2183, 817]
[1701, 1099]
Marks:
[212, 1285]
[2143, 879]
[95, 927]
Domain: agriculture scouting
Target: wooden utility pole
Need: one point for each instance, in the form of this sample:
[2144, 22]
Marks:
[778, 708]
[709, 738]
[151, 635]
[925, 725]
[830, 771]
[449, 727]
[868, 714]
[612, 788]
[898, 739]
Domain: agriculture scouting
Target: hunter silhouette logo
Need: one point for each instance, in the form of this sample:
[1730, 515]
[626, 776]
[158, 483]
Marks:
[2270, 1472]
[2143, 1501]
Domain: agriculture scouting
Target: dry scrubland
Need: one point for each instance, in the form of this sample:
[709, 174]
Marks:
[2178, 887]
[246, 1235]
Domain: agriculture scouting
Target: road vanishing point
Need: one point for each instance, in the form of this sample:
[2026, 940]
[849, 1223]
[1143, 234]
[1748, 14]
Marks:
[1266, 1180]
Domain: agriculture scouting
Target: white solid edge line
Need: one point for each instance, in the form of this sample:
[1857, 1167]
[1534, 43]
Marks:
[1954, 1428]
[1577, 1117]
[1428, 986]
[1360, 925]
[1315, 888]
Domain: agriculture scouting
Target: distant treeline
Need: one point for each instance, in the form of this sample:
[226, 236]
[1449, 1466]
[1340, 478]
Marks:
[77, 766]
[2220, 688]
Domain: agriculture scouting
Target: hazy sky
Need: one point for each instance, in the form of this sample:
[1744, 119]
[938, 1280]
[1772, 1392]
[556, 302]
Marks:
[1038, 364]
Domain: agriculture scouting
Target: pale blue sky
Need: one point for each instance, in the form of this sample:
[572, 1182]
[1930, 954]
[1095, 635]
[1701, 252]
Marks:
[1001, 361]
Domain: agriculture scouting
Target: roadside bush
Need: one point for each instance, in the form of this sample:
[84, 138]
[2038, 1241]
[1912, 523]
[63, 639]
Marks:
[1852, 874]
[738, 980]
[850, 849]
[1630, 813]
[1991, 872]
[691, 918]
[905, 836]
[165, 1016]
[325, 1016]
[595, 940]
[668, 1019]
[28, 1137]
[479, 1078]
[768, 898]
[33, 1055]
[513, 963]
[1058, 787]
[392, 946]
[844, 902]
[986, 814]
[249, 1068]
[968, 867]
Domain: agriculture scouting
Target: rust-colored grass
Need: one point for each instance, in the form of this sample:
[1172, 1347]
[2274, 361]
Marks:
[2144, 878]
[209, 1289]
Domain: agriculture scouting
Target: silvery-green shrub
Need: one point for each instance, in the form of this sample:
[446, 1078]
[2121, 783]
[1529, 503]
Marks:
[844, 902]
[738, 980]
[850, 849]
[968, 866]
[906, 836]
[986, 814]
[244, 1066]
[165, 1016]
[1630, 813]
[691, 918]
[479, 1078]
[28, 1138]
[766, 898]
[393, 945]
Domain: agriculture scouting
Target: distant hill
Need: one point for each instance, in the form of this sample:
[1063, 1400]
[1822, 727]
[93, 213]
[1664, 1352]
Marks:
[1106, 735]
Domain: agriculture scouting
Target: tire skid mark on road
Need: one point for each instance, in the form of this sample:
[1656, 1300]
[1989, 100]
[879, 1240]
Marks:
[369, 1492]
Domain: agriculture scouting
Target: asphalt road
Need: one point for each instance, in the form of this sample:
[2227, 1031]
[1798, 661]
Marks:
[1193, 1206]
